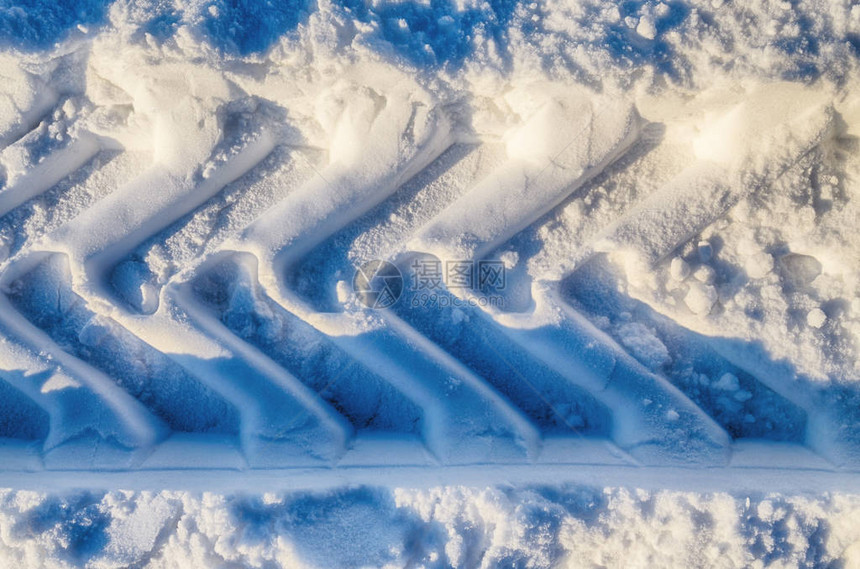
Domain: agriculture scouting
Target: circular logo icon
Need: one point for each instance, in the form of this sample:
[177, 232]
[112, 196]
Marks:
[378, 284]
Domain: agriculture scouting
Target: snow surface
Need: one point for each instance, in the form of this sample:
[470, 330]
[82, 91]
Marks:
[454, 526]
[187, 186]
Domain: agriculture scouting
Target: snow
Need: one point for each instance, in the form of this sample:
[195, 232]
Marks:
[816, 318]
[727, 382]
[666, 376]
[455, 526]
[700, 298]
[679, 269]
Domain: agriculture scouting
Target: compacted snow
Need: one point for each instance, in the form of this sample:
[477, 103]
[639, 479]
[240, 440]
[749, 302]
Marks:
[403, 283]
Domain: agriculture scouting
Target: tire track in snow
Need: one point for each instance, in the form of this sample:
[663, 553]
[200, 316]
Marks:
[580, 160]
[227, 287]
[176, 298]
[286, 423]
[392, 322]
[693, 200]
[84, 406]
[291, 229]
[43, 295]
[682, 207]
[189, 241]
[291, 172]
[265, 415]
[82, 402]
